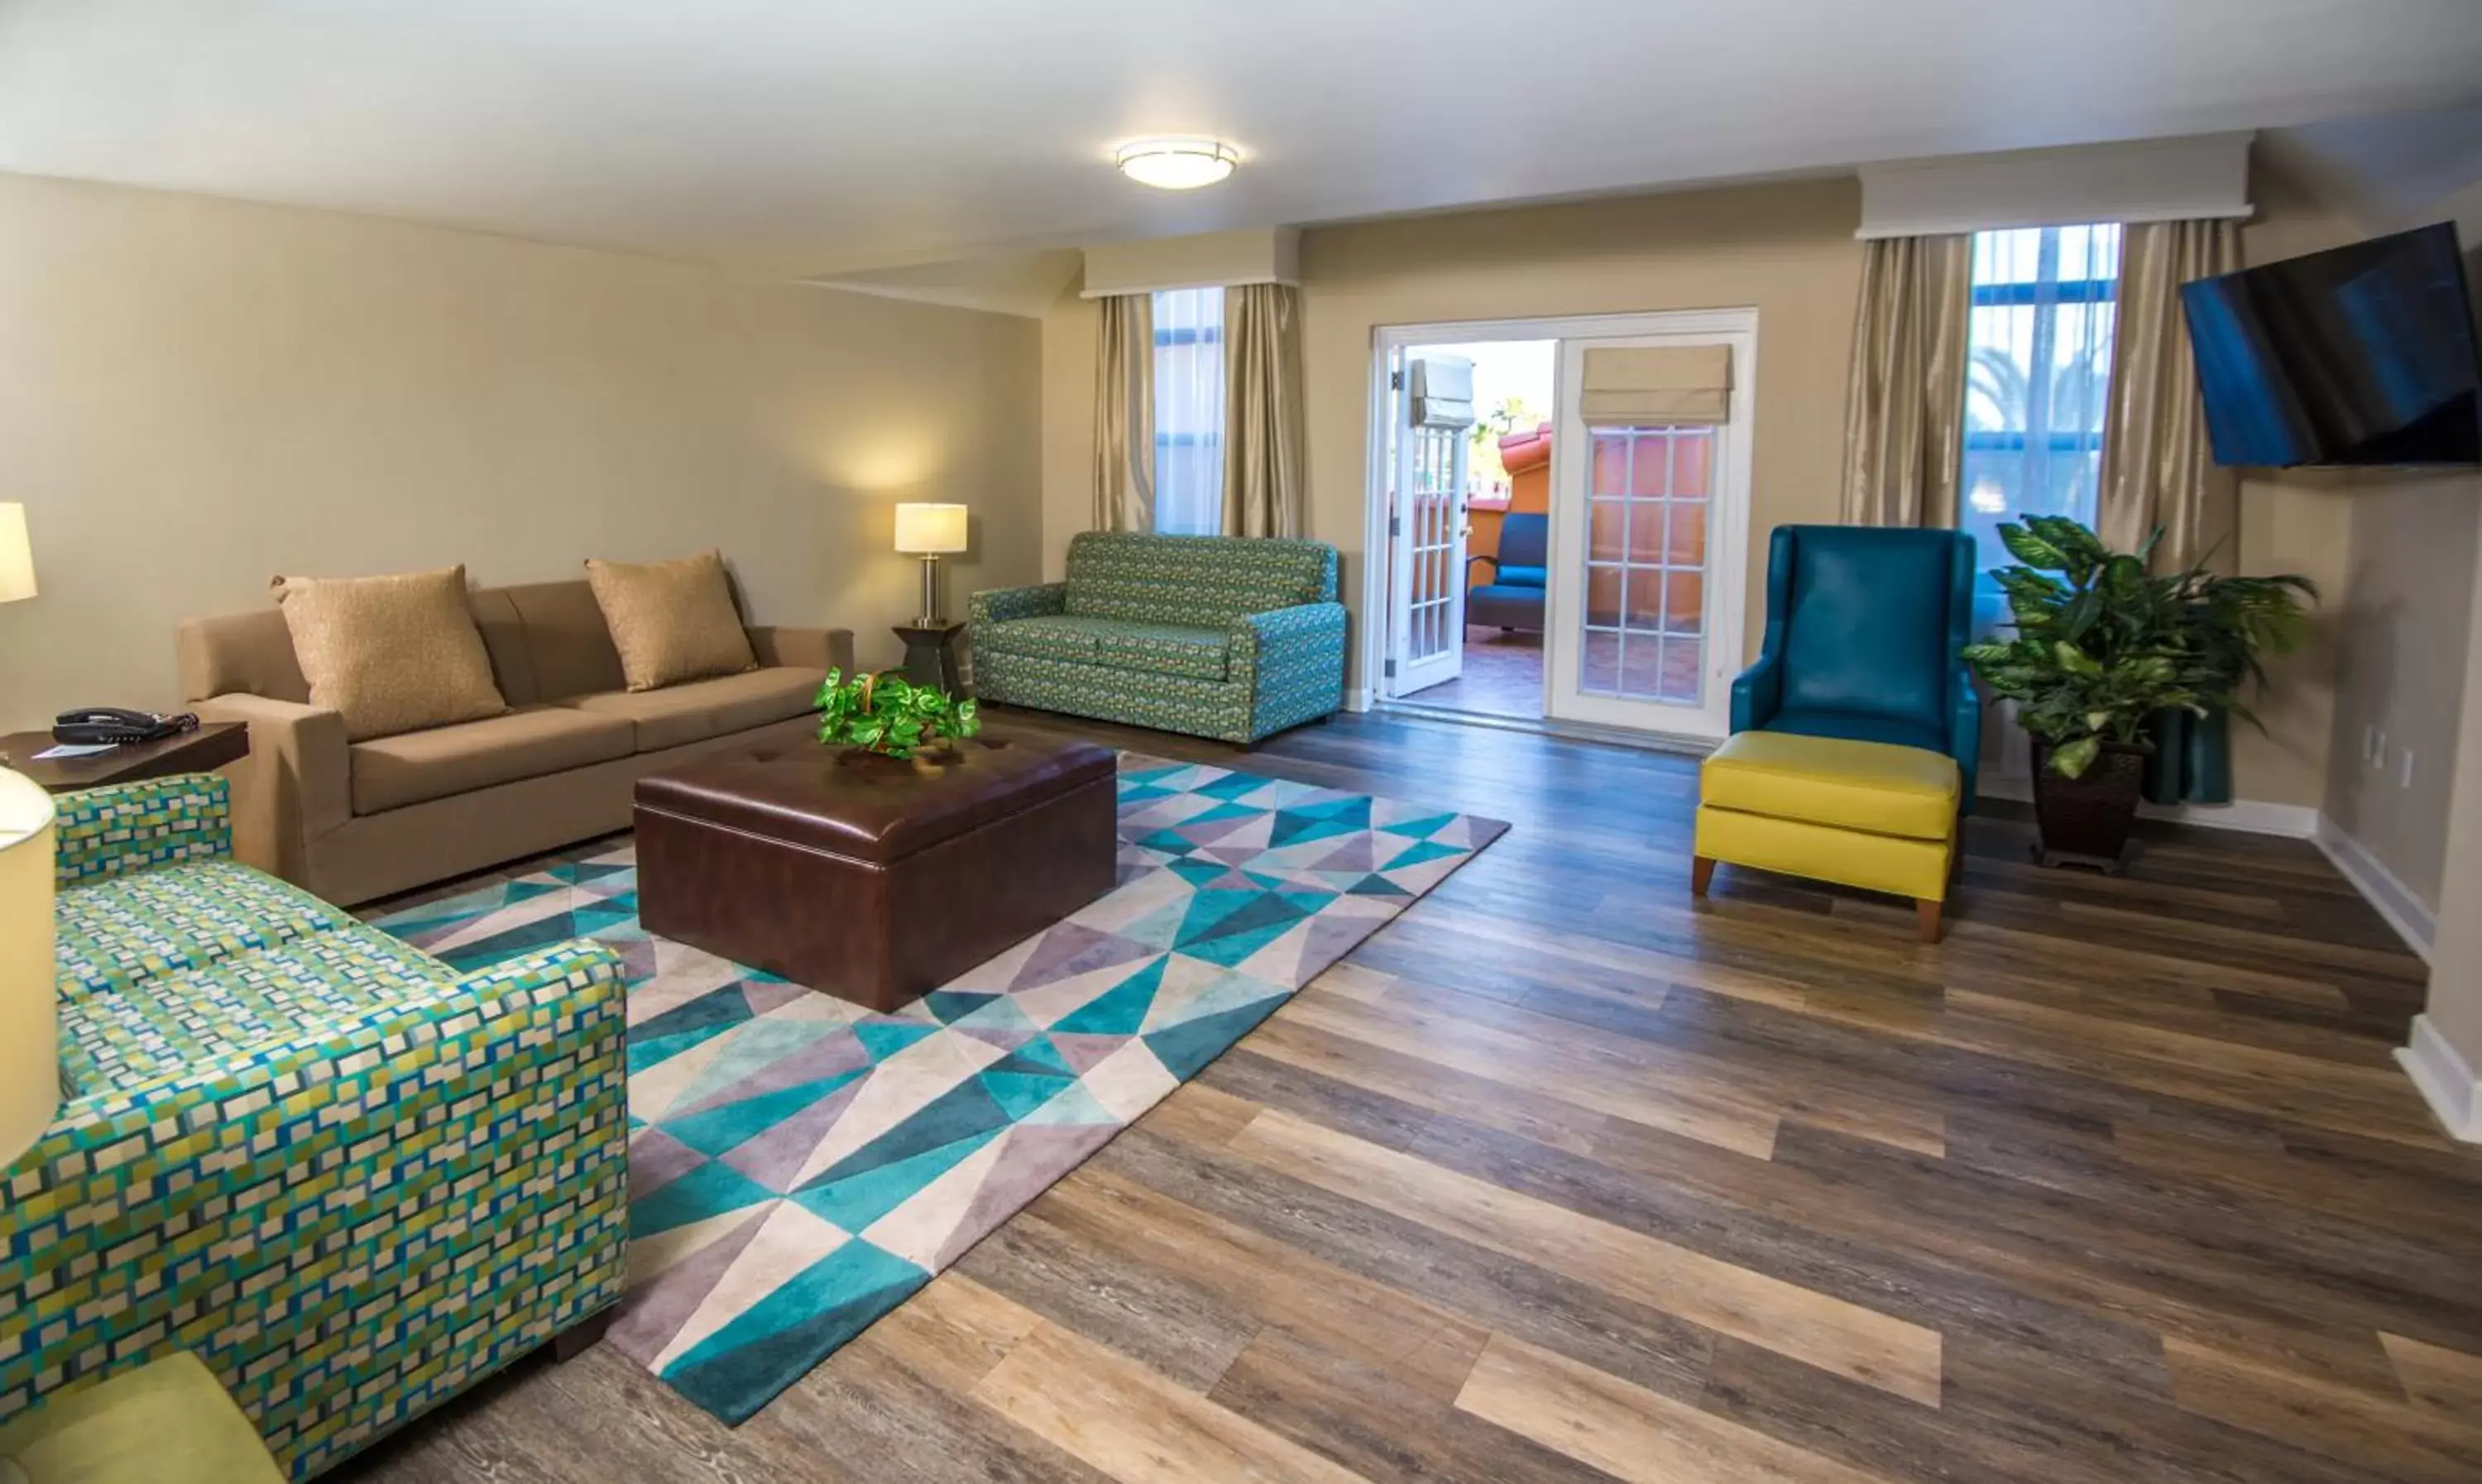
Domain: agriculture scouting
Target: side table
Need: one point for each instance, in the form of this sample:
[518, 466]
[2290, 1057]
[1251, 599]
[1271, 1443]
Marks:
[931, 654]
[204, 750]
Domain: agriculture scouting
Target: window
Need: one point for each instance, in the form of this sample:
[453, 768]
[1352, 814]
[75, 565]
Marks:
[2038, 374]
[1189, 412]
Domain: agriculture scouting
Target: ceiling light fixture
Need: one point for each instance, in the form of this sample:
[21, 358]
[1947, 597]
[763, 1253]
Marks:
[1175, 164]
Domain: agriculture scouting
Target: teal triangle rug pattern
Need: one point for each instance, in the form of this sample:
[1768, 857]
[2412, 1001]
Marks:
[799, 1165]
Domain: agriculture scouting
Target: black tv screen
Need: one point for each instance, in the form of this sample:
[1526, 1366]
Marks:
[2358, 355]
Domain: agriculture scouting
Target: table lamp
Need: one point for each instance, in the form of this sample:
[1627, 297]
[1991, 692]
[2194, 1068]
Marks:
[16, 555]
[30, 1065]
[929, 531]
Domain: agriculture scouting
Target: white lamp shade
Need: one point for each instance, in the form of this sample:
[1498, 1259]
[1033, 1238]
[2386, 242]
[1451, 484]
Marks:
[16, 555]
[30, 1061]
[930, 530]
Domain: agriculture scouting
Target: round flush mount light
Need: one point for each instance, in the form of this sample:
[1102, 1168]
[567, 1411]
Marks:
[1175, 164]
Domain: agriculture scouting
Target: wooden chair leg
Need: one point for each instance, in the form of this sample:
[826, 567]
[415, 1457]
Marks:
[1928, 911]
[579, 1338]
[1702, 872]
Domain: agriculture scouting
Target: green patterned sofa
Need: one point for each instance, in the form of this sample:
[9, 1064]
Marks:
[1216, 636]
[349, 1179]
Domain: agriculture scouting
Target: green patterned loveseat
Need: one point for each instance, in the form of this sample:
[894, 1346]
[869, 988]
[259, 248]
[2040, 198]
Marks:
[1217, 636]
[348, 1178]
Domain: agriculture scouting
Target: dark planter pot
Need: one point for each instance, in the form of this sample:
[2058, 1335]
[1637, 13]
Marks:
[2087, 820]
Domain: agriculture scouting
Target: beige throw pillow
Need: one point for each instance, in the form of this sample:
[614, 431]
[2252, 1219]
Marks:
[391, 654]
[671, 620]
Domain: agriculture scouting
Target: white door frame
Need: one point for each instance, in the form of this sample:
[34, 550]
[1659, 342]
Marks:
[1726, 539]
[1371, 639]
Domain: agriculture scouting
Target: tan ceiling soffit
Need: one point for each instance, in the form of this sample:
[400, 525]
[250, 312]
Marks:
[1655, 384]
[1258, 254]
[2182, 179]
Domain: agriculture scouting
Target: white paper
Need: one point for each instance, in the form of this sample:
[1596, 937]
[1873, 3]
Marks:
[74, 750]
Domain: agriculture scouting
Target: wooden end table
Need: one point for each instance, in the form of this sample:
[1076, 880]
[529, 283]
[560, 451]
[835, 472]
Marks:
[212, 746]
[931, 654]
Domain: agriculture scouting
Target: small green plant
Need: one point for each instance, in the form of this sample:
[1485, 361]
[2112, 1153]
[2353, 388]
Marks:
[2101, 644]
[887, 713]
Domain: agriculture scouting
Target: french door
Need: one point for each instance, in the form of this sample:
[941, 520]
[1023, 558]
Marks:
[1650, 527]
[1428, 526]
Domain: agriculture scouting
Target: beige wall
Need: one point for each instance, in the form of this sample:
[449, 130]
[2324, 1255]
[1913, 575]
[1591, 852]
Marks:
[2428, 664]
[2400, 662]
[1787, 250]
[197, 394]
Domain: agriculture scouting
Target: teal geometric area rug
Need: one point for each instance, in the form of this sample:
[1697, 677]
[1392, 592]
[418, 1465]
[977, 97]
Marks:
[799, 1165]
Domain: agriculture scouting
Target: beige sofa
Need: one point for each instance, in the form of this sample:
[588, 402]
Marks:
[354, 821]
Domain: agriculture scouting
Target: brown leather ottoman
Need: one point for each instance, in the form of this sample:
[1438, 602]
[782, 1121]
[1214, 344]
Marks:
[869, 878]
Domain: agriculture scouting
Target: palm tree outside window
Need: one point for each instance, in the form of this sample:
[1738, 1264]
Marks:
[2038, 377]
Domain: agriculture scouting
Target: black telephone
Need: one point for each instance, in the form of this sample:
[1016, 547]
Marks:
[88, 725]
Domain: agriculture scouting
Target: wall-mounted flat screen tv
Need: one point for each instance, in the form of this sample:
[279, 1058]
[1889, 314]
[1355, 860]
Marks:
[2359, 355]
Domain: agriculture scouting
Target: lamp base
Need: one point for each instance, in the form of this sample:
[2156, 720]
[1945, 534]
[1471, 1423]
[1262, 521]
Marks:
[929, 618]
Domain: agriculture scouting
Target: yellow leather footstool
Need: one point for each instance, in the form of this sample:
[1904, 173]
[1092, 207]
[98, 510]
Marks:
[1867, 814]
[168, 1421]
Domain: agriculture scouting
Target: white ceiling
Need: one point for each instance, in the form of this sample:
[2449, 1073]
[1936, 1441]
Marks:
[814, 136]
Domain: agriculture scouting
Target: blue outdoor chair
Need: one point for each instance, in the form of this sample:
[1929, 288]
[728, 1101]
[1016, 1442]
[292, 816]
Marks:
[1864, 628]
[1513, 599]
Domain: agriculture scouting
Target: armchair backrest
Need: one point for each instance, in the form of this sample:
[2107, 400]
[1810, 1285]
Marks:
[1202, 580]
[1869, 618]
[1524, 540]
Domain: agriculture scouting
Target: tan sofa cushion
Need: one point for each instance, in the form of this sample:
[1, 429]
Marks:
[391, 654]
[671, 620]
[393, 772]
[700, 710]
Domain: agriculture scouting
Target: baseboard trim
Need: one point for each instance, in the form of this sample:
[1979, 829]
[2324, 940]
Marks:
[2249, 816]
[2390, 898]
[1358, 698]
[2448, 1084]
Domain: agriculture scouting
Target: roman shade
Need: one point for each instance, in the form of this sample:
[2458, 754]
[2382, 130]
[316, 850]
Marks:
[1442, 392]
[1641, 385]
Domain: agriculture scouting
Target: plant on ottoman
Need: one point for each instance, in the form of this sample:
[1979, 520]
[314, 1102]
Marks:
[889, 714]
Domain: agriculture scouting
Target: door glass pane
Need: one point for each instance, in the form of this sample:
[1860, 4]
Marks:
[1646, 563]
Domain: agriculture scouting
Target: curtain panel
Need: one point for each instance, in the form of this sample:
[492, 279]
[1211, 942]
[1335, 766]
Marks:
[2159, 467]
[1904, 416]
[1124, 413]
[1265, 447]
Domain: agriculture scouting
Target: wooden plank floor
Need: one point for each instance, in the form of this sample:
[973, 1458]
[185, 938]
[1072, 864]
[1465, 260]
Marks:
[1562, 1177]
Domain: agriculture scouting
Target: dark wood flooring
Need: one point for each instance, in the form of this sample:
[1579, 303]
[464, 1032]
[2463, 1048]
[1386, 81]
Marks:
[1565, 1177]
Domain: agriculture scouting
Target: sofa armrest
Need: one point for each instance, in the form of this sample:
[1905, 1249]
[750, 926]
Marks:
[120, 828]
[998, 605]
[297, 785]
[1292, 660]
[803, 649]
[346, 1223]
[1757, 693]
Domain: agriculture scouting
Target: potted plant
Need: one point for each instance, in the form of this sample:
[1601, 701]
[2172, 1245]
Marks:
[891, 716]
[2101, 646]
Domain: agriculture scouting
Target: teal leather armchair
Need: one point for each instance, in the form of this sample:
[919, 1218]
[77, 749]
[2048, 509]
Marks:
[1864, 624]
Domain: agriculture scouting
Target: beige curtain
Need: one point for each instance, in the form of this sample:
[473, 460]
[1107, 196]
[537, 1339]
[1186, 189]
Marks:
[1263, 444]
[1124, 413]
[2158, 468]
[1904, 413]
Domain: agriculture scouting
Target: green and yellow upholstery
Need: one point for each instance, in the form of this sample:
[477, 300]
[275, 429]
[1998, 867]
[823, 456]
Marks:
[1216, 636]
[1877, 815]
[349, 1179]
